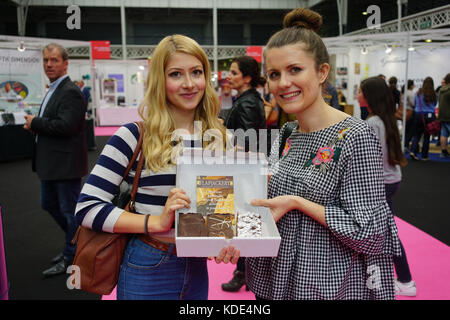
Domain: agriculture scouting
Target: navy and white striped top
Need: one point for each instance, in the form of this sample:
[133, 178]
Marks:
[94, 208]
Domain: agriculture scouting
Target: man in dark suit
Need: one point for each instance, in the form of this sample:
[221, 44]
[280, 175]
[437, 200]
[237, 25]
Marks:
[60, 153]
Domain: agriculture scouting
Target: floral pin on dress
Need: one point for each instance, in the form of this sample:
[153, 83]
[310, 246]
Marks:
[326, 155]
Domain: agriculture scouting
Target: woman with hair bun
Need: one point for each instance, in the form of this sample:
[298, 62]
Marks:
[326, 190]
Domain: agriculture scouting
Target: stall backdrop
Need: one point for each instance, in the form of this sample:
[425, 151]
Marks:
[21, 79]
[422, 63]
[130, 76]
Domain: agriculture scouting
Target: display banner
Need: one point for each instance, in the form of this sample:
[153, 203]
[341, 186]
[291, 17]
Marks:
[101, 49]
[255, 52]
[21, 79]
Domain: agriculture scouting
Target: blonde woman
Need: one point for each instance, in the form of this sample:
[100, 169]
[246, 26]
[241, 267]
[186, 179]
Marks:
[179, 93]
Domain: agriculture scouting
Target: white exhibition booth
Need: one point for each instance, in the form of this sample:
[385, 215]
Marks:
[120, 88]
[118, 85]
[360, 57]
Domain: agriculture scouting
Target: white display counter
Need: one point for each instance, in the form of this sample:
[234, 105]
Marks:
[117, 116]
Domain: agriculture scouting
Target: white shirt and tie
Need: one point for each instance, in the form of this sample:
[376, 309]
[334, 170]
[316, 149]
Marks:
[52, 87]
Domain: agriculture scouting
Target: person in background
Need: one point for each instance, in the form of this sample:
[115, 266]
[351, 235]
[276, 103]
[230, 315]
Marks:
[247, 113]
[425, 104]
[326, 191]
[382, 119]
[342, 98]
[60, 151]
[410, 104]
[226, 100]
[440, 86]
[272, 114]
[444, 115]
[394, 91]
[85, 91]
[331, 96]
[438, 89]
[362, 104]
[179, 92]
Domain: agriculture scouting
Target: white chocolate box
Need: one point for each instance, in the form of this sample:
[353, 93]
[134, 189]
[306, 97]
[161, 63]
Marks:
[249, 173]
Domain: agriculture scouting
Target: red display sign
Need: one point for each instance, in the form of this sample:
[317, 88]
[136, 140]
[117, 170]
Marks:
[255, 52]
[101, 49]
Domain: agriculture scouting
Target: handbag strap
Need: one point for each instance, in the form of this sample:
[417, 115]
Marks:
[136, 150]
[138, 167]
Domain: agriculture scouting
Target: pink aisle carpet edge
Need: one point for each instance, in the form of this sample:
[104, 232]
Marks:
[105, 131]
[429, 262]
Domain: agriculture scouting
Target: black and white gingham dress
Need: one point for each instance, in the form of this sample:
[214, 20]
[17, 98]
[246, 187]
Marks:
[341, 168]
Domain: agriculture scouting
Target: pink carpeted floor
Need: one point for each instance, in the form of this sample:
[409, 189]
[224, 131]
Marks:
[429, 261]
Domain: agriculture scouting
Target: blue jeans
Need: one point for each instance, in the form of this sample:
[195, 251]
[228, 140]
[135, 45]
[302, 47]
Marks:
[148, 273]
[59, 198]
[445, 129]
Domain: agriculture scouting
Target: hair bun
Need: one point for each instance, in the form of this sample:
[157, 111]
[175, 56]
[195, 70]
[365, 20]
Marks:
[303, 18]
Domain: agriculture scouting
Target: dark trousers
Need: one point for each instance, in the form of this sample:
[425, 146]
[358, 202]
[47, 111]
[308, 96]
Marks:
[400, 262]
[419, 130]
[409, 131]
[59, 198]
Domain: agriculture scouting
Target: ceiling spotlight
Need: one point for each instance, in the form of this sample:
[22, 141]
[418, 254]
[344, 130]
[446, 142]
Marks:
[428, 40]
[21, 46]
[411, 48]
[364, 50]
[364, 13]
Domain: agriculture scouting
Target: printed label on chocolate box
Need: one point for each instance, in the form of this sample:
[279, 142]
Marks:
[215, 194]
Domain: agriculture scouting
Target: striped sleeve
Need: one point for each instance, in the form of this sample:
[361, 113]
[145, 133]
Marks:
[94, 208]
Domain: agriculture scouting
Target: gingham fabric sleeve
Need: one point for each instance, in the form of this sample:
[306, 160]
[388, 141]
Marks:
[362, 220]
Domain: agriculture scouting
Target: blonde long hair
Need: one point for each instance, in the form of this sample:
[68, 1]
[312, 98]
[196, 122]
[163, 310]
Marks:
[159, 125]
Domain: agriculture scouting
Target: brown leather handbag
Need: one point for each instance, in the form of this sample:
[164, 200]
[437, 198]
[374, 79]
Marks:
[99, 254]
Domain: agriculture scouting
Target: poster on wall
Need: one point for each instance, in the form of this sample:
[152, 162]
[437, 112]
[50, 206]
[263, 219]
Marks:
[357, 68]
[21, 80]
[341, 71]
[366, 71]
[120, 84]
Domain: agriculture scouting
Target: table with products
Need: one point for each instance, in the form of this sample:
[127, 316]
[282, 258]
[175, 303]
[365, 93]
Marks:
[15, 142]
